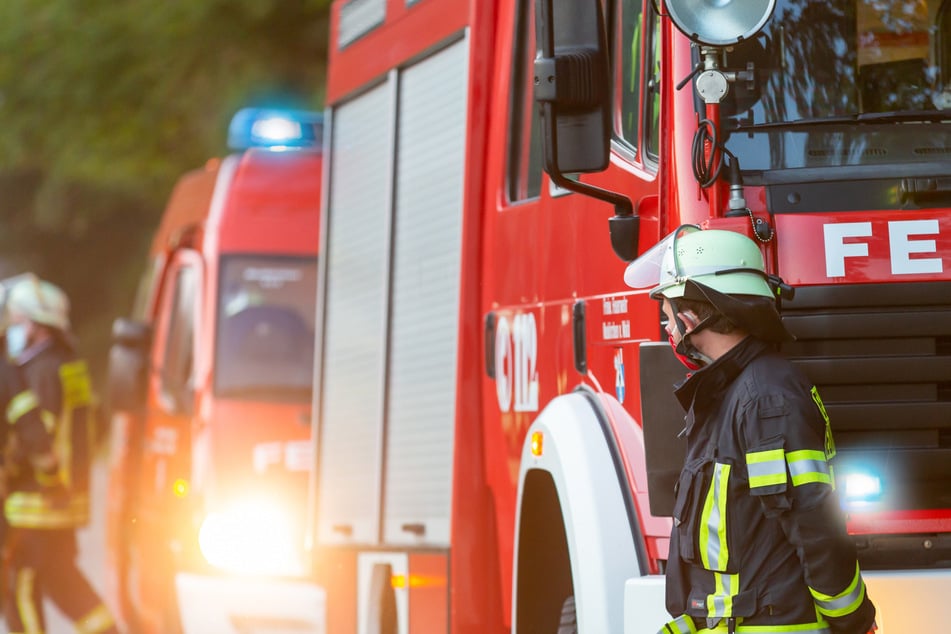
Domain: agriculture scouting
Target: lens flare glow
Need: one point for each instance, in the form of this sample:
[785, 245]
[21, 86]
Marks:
[254, 537]
[861, 489]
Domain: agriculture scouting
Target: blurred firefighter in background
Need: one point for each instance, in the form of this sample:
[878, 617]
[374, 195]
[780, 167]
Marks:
[47, 495]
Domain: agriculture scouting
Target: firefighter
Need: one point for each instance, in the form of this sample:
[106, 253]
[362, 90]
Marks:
[44, 509]
[759, 542]
[24, 441]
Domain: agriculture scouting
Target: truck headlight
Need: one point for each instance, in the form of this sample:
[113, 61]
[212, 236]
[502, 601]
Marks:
[862, 489]
[252, 538]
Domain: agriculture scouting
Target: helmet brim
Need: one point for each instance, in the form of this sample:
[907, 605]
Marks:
[755, 314]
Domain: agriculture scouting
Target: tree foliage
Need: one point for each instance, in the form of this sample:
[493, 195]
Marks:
[104, 104]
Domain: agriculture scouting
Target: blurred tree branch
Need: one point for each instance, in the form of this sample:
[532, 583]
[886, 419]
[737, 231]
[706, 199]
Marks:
[104, 104]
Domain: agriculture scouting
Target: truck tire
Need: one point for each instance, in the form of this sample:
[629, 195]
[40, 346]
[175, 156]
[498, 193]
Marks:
[569, 621]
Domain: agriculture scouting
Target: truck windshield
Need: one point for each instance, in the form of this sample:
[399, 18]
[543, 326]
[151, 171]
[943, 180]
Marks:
[265, 328]
[824, 68]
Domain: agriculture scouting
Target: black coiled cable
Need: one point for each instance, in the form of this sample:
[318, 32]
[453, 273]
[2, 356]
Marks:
[704, 169]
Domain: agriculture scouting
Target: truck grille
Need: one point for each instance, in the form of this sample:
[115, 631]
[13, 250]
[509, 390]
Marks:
[881, 358]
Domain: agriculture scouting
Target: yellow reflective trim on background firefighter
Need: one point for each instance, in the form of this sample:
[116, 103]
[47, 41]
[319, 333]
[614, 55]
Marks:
[20, 405]
[808, 466]
[77, 385]
[846, 602]
[766, 468]
[32, 509]
[27, 609]
[77, 393]
[714, 550]
[97, 621]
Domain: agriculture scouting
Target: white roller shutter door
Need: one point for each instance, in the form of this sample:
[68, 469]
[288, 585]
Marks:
[356, 313]
[424, 316]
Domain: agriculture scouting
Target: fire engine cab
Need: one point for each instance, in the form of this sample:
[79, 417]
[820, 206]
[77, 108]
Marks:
[497, 441]
[210, 388]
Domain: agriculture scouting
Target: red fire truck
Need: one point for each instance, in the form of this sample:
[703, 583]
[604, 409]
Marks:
[497, 434]
[210, 388]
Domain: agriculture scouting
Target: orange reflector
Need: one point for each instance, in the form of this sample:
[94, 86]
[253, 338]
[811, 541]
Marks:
[416, 581]
[537, 443]
[180, 488]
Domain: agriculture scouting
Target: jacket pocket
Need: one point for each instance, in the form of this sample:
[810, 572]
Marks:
[686, 508]
[700, 513]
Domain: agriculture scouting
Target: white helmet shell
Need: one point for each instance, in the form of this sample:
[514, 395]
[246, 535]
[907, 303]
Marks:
[38, 301]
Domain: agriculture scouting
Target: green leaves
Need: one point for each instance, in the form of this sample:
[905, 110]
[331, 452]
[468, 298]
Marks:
[104, 104]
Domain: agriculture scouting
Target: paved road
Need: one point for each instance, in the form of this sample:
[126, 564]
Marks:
[92, 553]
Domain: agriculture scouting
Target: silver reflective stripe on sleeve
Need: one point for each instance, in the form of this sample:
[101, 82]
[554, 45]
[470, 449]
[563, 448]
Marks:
[846, 602]
[808, 466]
[766, 468]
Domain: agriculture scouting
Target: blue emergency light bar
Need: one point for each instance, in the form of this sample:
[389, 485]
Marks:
[275, 129]
[862, 488]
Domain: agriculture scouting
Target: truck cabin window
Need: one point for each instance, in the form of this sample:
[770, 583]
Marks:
[636, 70]
[265, 328]
[842, 83]
[177, 375]
[524, 175]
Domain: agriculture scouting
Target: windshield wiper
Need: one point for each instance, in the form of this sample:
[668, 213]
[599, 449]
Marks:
[900, 116]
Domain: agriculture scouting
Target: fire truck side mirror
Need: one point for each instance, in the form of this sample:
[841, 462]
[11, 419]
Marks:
[128, 364]
[572, 85]
[573, 90]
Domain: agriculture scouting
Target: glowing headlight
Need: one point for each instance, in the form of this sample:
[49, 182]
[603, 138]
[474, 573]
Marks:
[252, 538]
[861, 489]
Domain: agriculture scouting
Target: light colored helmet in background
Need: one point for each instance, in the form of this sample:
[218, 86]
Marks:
[38, 301]
[6, 285]
[726, 261]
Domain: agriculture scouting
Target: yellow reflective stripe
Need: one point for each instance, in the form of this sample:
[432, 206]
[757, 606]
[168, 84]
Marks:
[26, 608]
[766, 468]
[830, 444]
[77, 386]
[720, 604]
[808, 465]
[97, 621]
[714, 550]
[681, 625]
[803, 628]
[846, 602]
[29, 509]
[20, 405]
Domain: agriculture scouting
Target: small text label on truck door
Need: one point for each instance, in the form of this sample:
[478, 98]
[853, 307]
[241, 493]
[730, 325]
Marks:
[901, 243]
[516, 354]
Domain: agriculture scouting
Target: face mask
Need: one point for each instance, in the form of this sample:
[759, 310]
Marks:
[16, 340]
[688, 363]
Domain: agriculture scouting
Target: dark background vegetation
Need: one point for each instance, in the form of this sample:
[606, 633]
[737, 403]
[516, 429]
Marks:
[104, 104]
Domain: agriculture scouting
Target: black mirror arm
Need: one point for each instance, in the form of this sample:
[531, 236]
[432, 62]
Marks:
[624, 226]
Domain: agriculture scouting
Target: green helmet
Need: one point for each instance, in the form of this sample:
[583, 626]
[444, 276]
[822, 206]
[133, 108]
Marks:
[723, 268]
[725, 261]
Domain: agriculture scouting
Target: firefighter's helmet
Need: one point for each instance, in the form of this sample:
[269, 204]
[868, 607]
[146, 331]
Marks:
[38, 301]
[723, 268]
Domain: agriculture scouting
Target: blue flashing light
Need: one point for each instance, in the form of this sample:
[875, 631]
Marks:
[862, 489]
[275, 129]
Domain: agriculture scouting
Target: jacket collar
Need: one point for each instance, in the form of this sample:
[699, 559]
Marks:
[706, 385]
